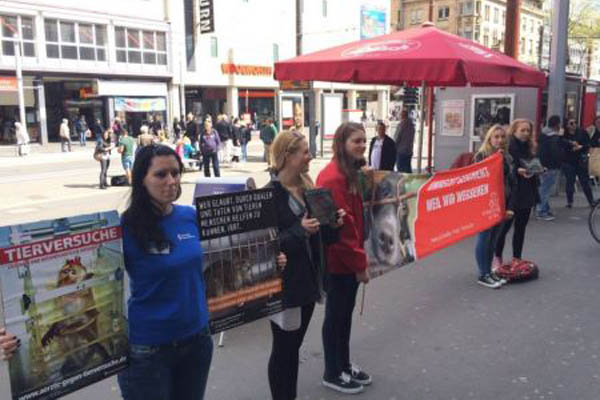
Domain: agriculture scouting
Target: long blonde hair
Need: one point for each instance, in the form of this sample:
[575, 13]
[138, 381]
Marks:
[486, 147]
[510, 132]
[285, 144]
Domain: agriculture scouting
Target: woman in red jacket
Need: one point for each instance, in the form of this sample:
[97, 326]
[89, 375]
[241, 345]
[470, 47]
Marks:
[346, 259]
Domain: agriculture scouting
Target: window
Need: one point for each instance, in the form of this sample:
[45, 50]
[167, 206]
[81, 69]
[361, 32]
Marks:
[522, 45]
[531, 47]
[136, 46]
[467, 8]
[214, 47]
[503, 17]
[486, 40]
[478, 7]
[443, 13]
[24, 30]
[74, 40]
[496, 15]
[275, 52]
[325, 8]
[486, 13]
[416, 16]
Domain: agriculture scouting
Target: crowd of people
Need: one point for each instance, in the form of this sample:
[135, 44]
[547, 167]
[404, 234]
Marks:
[170, 345]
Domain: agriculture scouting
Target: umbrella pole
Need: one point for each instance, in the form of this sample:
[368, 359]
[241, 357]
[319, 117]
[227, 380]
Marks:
[430, 102]
[421, 129]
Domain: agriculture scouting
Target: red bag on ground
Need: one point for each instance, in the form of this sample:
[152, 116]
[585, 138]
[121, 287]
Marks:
[524, 270]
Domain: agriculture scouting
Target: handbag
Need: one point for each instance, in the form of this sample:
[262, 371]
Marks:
[594, 161]
[88, 134]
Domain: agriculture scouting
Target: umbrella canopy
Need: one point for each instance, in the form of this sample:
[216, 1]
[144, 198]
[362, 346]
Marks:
[415, 56]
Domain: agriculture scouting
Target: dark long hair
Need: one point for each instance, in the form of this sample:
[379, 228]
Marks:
[142, 216]
[347, 165]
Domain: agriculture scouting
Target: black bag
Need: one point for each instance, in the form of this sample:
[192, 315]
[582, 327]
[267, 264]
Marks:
[119, 180]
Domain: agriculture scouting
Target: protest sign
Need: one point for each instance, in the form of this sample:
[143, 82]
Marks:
[409, 216]
[240, 243]
[61, 284]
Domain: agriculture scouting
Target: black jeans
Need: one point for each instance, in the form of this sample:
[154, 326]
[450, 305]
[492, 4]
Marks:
[104, 164]
[206, 160]
[284, 360]
[573, 171]
[341, 298]
[521, 219]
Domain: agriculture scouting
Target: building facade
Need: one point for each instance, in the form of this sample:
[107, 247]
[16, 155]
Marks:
[482, 21]
[96, 59]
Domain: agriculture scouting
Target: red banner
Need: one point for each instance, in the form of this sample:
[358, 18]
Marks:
[458, 203]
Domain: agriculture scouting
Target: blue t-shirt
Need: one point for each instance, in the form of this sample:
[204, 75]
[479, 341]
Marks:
[167, 290]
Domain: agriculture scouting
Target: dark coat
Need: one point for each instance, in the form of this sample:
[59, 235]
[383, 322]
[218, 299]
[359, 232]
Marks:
[303, 273]
[388, 153]
[595, 140]
[552, 150]
[224, 129]
[524, 192]
[581, 137]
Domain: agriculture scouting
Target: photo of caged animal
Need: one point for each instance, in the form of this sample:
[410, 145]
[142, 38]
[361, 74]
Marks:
[389, 242]
[79, 328]
[239, 261]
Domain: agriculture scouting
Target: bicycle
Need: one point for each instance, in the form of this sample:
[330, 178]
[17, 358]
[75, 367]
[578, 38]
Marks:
[594, 221]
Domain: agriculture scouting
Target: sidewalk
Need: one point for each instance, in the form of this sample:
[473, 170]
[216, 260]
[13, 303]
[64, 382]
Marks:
[50, 153]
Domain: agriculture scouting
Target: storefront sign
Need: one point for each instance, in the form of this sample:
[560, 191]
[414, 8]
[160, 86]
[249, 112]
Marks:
[294, 85]
[8, 83]
[129, 104]
[207, 17]
[241, 69]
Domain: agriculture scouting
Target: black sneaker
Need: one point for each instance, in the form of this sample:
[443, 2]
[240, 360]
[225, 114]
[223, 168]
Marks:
[488, 281]
[498, 279]
[343, 384]
[359, 376]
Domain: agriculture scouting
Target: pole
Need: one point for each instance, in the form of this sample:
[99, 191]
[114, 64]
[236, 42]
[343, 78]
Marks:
[421, 128]
[513, 28]
[558, 52]
[20, 89]
[181, 86]
[430, 103]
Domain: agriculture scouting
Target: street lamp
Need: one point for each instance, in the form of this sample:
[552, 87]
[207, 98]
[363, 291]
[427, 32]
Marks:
[19, 71]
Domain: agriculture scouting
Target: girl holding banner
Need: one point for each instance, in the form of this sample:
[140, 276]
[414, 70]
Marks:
[346, 259]
[301, 239]
[524, 194]
[494, 141]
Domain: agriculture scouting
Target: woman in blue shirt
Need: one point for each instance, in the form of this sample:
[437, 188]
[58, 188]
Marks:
[170, 344]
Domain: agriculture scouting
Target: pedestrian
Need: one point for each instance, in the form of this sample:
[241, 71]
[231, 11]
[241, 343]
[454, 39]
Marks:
[346, 259]
[145, 138]
[223, 128]
[382, 150]
[65, 135]
[404, 138]
[192, 130]
[156, 125]
[494, 142]
[245, 137]
[81, 128]
[170, 346]
[209, 145]
[22, 139]
[127, 150]
[98, 130]
[524, 193]
[236, 133]
[552, 151]
[102, 155]
[267, 135]
[595, 135]
[301, 239]
[575, 164]
[117, 128]
[177, 129]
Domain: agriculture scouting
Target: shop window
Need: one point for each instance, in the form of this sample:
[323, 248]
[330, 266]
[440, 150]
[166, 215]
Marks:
[16, 28]
[74, 40]
[140, 47]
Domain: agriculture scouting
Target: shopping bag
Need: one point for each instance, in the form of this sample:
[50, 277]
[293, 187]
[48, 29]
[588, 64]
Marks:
[594, 161]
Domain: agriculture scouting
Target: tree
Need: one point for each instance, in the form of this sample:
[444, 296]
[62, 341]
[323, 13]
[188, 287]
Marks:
[584, 28]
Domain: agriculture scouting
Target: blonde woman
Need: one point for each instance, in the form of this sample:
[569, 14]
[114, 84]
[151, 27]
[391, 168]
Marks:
[494, 142]
[524, 194]
[301, 239]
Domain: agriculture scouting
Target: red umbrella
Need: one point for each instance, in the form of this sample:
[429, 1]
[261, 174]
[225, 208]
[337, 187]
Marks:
[416, 56]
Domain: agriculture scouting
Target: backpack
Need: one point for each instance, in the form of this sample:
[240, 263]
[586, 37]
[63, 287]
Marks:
[118, 180]
[523, 271]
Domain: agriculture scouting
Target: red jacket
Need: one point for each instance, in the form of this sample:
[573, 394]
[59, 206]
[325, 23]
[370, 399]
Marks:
[347, 256]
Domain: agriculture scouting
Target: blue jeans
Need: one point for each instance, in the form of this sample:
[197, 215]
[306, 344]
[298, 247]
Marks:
[403, 162]
[341, 298]
[547, 182]
[174, 371]
[484, 249]
[206, 160]
[82, 138]
[244, 151]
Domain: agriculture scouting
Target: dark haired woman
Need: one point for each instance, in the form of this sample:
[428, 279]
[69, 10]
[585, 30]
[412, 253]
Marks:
[301, 239]
[170, 347]
[346, 259]
[595, 139]
[576, 162]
